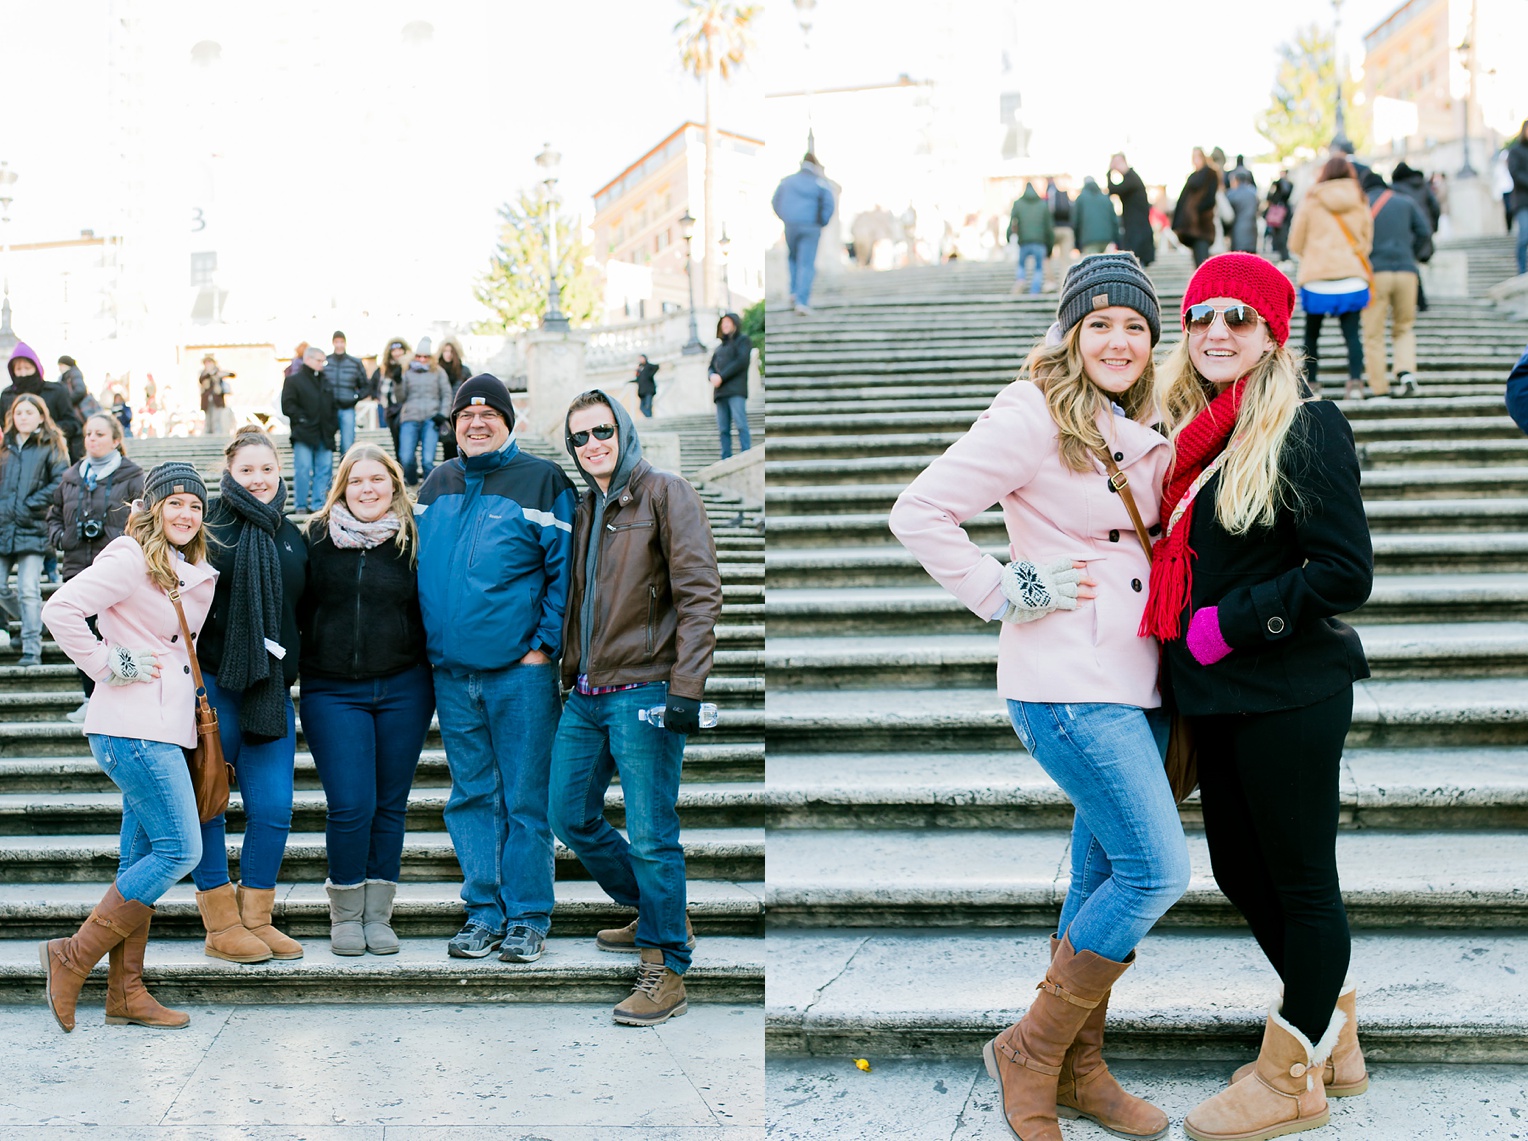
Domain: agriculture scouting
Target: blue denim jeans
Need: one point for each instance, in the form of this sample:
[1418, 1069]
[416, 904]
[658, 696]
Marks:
[1522, 240]
[347, 428]
[498, 728]
[415, 436]
[161, 841]
[311, 471]
[366, 737]
[264, 778]
[597, 738]
[29, 583]
[1129, 857]
[646, 404]
[1032, 252]
[732, 410]
[801, 251]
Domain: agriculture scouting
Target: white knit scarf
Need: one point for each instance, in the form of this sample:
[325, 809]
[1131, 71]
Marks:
[348, 533]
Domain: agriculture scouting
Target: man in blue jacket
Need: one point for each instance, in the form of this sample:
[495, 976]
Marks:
[495, 547]
[804, 202]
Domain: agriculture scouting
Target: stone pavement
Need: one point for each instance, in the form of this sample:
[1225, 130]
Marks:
[371, 1072]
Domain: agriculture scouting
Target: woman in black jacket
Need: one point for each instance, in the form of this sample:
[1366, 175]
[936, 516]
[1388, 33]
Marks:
[249, 651]
[33, 456]
[91, 506]
[1266, 544]
[647, 384]
[455, 367]
[729, 377]
[367, 693]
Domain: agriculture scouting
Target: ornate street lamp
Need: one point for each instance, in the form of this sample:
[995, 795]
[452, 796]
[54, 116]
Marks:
[725, 246]
[1467, 58]
[8, 178]
[554, 319]
[687, 232]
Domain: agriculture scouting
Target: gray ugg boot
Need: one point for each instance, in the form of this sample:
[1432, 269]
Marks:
[378, 917]
[346, 902]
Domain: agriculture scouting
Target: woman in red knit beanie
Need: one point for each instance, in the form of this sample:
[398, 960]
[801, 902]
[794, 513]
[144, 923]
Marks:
[1266, 543]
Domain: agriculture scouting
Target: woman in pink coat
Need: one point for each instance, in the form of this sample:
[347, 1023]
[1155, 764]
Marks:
[1081, 683]
[140, 721]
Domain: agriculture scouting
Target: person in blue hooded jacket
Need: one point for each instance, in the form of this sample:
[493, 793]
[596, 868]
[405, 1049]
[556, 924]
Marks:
[804, 202]
[495, 546]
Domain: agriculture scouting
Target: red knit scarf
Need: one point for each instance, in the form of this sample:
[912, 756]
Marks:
[1172, 575]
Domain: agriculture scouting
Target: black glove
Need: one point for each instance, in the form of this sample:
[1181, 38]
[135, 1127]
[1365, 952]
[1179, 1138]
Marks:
[440, 422]
[682, 715]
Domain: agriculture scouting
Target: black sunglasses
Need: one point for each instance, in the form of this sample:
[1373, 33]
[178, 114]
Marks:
[1239, 318]
[603, 432]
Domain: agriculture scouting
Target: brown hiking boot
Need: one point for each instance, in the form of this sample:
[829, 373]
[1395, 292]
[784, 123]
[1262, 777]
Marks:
[1345, 1074]
[625, 938]
[255, 913]
[227, 937]
[1283, 1094]
[658, 995]
[127, 1001]
[67, 963]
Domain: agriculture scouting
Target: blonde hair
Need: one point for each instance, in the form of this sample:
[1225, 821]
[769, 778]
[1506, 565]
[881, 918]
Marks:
[147, 529]
[51, 436]
[401, 505]
[116, 428]
[1075, 402]
[1252, 486]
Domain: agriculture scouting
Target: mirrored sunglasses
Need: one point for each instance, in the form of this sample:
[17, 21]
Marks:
[1239, 318]
[602, 432]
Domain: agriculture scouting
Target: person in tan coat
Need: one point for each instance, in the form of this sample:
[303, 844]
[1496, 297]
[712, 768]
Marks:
[1332, 236]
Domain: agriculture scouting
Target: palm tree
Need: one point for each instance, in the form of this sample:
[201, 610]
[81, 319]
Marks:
[714, 36]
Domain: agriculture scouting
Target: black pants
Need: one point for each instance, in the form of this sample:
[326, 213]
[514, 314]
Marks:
[1268, 785]
[1351, 335]
[1279, 236]
[1201, 250]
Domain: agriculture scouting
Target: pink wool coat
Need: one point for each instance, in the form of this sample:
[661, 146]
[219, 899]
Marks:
[132, 611]
[1011, 456]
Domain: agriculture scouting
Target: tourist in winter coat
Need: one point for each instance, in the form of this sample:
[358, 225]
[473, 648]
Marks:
[1332, 235]
[26, 376]
[1031, 225]
[308, 404]
[1401, 240]
[1060, 204]
[1135, 210]
[1406, 180]
[1080, 682]
[33, 457]
[454, 365]
[728, 372]
[90, 508]
[387, 383]
[1267, 544]
[72, 381]
[367, 694]
[647, 384]
[1517, 167]
[345, 376]
[423, 395]
[139, 726]
[1094, 223]
[804, 202]
[1194, 216]
[249, 653]
[1276, 215]
[1243, 200]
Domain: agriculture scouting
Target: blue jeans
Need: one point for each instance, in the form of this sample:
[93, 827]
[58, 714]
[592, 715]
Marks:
[498, 727]
[597, 738]
[264, 773]
[366, 737]
[801, 249]
[1031, 251]
[161, 840]
[1522, 240]
[29, 582]
[732, 410]
[411, 434]
[347, 428]
[646, 404]
[311, 470]
[1129, 857]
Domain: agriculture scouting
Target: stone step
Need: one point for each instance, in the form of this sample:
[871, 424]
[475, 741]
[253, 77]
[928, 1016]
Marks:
[729, 969]
[434, 910]
[710, 853]
[1400, 714]
[1191, 994]
[1429, 790]
[1381, 454]
[824, 878]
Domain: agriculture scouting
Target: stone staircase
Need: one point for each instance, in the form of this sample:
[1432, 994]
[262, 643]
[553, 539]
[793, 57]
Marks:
[918, 855]
[59, 817]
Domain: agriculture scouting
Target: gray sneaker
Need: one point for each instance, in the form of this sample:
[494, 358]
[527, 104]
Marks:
[473, 941]
[522, 945]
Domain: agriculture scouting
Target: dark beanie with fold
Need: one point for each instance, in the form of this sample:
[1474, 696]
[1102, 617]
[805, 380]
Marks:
[174, 478]
[484, 388]
[1101, 280]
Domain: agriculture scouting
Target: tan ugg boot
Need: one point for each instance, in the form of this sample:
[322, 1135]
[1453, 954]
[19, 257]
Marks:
[255, 913]
[227, 937]
[657, 997]
[1283, 1094]
[67, 963]
[625, 938]
[1026, 1059]
[1086, 1088]
[1345, 1074]
[127, 1000]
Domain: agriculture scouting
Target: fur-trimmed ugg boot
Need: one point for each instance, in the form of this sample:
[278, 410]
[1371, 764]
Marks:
[1345, 1074]
[377, 917]
[227, 937]
[347, 906]
[255, 906]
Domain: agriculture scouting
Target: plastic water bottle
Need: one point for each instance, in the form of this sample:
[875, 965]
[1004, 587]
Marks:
[654, 716]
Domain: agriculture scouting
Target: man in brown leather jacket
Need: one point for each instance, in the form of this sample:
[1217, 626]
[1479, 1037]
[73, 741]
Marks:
[638, 635]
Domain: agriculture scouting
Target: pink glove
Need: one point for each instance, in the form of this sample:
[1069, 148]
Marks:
[1204, 640]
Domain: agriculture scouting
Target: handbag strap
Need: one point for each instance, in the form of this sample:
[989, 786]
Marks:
[185, 632]
[1363, 258]
[1121, 483]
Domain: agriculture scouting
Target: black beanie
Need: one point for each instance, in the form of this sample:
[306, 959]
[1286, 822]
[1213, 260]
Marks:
[484, 388]
[174, 478]
[1101, 280]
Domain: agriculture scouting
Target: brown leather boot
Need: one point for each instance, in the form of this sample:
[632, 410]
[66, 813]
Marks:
[227, 937]
[67, 962]
[1026, 1059]
[657, 997]
[1345, 1074]
[625, 938]
[255, 913]
[1283, 1094]
[1086, 1088]
[127, 1000]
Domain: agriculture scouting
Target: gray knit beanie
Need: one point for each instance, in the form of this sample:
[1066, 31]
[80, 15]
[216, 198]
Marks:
[174, 478]
[1101, 280]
